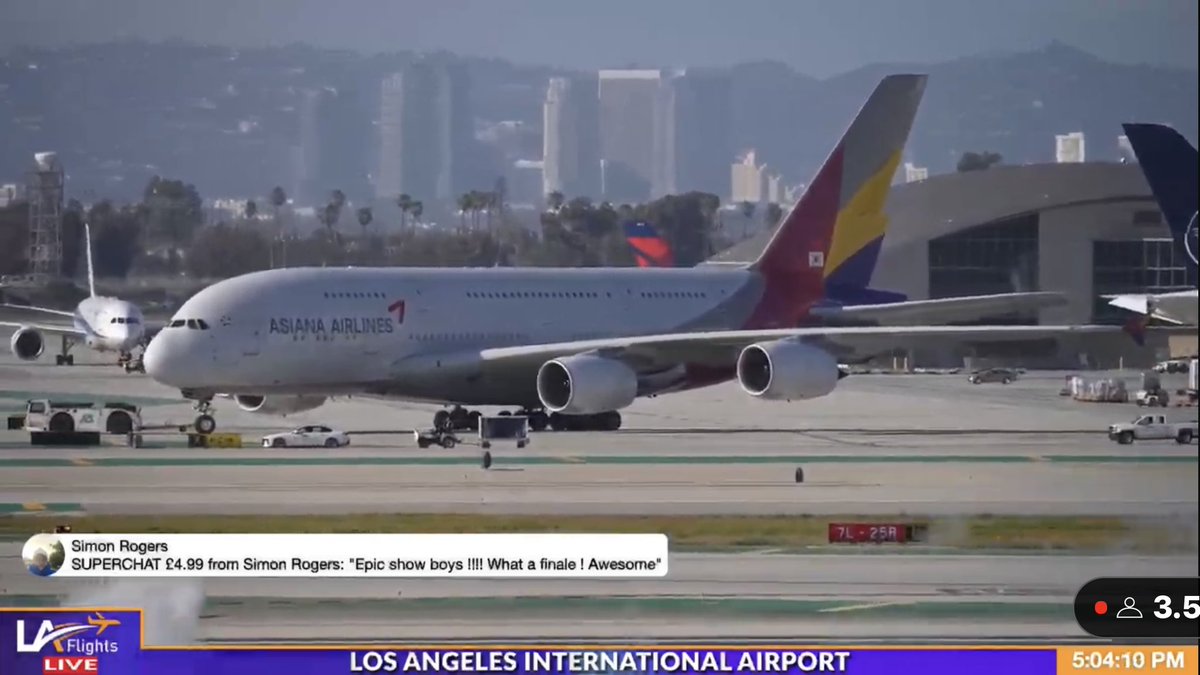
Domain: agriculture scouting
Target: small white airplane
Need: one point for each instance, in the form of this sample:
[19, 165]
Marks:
[103, 324]
[567, 347]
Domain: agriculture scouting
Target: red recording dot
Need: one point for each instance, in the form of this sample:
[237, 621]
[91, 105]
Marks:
[1101, 607]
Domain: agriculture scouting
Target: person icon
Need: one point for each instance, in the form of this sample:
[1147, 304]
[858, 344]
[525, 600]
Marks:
[1129, 611]
[44, 555]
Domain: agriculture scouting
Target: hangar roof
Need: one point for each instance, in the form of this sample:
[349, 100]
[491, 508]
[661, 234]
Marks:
[950, 202]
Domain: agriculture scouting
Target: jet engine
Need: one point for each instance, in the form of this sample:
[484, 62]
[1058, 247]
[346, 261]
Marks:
[785, 369]
[277, 405]
[27, 343]
[586, 385]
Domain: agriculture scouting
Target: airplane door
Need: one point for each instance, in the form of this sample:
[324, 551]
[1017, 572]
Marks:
[252, 342]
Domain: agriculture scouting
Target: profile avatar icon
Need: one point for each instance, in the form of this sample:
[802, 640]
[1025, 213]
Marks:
[1129, 611]
[43, 555]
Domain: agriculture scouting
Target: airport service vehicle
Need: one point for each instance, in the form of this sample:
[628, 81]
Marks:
[1170, 165]
[514, 428]
[311, 436]
[1152, 427]
[570, 348]
[1172, 366]
[1152, 398]
[103, 324]
[1001, 375]
[443, 436]
[79, 422]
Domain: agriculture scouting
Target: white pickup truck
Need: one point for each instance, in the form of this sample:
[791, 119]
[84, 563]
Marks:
[1152, 427]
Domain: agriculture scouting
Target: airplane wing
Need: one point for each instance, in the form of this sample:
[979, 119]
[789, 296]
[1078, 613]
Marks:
[944, 310]
[646, 353]
[52, 329]
[1175, 308]
[45, 311]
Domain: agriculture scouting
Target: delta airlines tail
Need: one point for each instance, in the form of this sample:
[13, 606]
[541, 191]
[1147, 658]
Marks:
[1169, 163]
[649, 248]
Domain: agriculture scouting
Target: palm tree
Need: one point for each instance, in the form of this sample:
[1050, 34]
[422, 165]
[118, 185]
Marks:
[251, 209]
[405, 202]
[747, 208]
[365, 216]
[555, 200]
[465, 201]
[278, 199]
[417, 208]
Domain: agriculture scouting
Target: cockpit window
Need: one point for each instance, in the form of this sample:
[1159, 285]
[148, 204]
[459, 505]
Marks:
[202, 323]
[177, 323]
[191, 323]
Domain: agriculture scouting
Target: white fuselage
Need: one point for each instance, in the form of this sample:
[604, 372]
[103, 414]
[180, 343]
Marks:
[109, 324]
[343, 331]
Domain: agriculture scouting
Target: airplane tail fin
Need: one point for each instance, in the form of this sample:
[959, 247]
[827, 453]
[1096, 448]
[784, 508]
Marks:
[1170, 166]
[87, 237]
[831, 238]
[649, 248]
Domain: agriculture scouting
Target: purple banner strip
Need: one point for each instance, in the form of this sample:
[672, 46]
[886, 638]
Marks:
[109, 642]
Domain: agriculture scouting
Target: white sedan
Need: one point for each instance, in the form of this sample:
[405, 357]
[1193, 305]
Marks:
[307, 437]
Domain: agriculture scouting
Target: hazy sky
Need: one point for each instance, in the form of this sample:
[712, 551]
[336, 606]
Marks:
[818, 37]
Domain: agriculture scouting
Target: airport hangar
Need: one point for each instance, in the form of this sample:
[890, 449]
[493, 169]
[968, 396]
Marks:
[1083, 229]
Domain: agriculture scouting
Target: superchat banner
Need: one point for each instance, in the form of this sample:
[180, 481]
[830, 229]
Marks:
[109, 641]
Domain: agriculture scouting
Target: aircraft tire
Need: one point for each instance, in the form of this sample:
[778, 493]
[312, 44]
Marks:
[205, 424]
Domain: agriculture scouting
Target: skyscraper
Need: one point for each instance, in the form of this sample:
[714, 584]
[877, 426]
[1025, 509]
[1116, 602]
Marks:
[692, 133]
[571, 138]
[424, 132]
[628, 99]
[332, 146]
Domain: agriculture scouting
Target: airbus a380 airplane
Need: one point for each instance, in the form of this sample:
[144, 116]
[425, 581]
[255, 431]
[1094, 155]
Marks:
[1170, 165]
[579, 344]
[103, 324]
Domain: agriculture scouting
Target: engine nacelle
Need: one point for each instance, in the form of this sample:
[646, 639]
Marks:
[785, 369]
[586, 385]
[277, 405]
[27, 343]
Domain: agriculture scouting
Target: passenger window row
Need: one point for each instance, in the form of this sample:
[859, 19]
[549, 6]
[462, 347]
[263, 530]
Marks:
[580, 294]
[130, 320]
[193, 324]
[357, 295]
[535, 294]
[465, 337]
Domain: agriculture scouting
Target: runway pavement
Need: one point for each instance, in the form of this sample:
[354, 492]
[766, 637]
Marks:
[825, 596]
[880, 444]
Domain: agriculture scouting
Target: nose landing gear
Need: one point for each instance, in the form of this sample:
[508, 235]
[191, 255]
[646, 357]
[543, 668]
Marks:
[204, 423]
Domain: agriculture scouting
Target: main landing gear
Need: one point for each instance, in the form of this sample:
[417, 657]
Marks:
[64, 357]
[461, 419]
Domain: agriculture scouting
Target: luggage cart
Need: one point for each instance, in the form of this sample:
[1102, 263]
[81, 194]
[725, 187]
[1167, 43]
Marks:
[502, 428]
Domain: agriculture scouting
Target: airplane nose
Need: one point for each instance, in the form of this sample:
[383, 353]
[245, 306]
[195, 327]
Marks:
[156, 360]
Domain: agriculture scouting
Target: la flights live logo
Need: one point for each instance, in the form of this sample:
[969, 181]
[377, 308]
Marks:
[75, 652]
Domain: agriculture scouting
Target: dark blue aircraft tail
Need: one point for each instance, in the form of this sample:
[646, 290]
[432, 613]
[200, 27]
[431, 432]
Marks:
[1170, 165]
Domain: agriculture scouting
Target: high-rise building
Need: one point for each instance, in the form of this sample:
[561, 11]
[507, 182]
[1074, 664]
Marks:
[628, 100]
[914, 173]
[748, 181]
[571, 138]
[1125, 151]
[1069, 147]
[332, 146]
[692, 142]
[424, 132]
